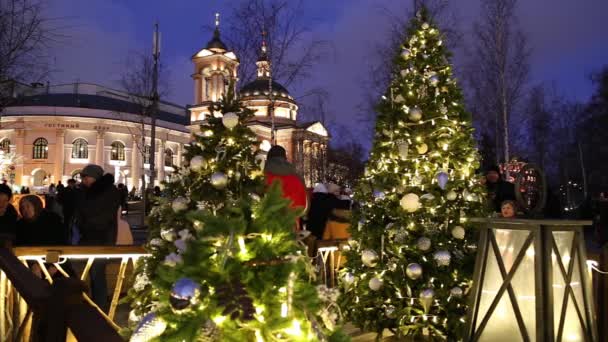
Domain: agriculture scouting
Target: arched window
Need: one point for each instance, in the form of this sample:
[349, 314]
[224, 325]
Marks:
[41, 149]
[147, 154]
[5, 146]
[118, 151]
[80, 149]
[168, 157]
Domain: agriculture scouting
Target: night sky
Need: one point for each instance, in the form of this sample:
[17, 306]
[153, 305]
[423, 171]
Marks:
[568, 39]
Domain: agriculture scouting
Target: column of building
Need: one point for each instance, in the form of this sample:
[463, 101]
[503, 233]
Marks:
[160, 161]
[19, 143]
[136, 163]
[59, 160]
[99, 149]
[307, 163]
[178, 162]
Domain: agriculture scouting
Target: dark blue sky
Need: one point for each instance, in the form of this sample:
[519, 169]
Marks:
[568, 38]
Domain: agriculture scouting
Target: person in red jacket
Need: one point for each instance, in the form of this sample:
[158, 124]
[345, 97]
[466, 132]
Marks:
[278, 168]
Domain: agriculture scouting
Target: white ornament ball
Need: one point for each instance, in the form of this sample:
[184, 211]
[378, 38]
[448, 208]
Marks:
[456, 292]
[422, 148]
[423, 244]
[219, 180]
[349, 278]
[230, 120]
[451, 195]
[375, 283]
[406, 53]
[179, 204]
[410, 203]
[413, 271]
[442, 258]
[415, 114]
[369, 258]
[434, 80]
[458, 232]
[197, 163]
[425, 26]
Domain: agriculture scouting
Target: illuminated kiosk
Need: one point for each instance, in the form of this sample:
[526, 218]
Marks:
[530, 282]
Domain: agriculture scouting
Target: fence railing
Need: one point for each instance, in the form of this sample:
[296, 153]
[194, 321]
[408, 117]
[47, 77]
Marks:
[34, 299]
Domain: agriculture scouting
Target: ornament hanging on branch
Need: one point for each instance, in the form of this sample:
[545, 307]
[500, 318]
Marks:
[369, 258]
[406, 53]
[403, 147]
[434, 80]
[458, 232]
[426, 299]
[456, 292]
[379, 195]
[230, 120]
[423, 244]
[185, 292]
[197, 163]
[219, 180]
[375, 284]
[220, 153]
[413, 271]
[415, 114]
[179, 204]
[442, 179]
[410, 203]
[442, 258]
[349, 278]
[422, 148]
[150, 327]
[451, 195]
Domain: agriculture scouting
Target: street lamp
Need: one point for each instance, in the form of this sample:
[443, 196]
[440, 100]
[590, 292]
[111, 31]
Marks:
[530, 283]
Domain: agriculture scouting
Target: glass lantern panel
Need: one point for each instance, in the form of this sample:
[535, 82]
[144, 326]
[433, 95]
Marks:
[559, 288]
[563, 240]
[491, 284]
[573, 331]
[502, 323]
[577, 286]
[524, 286]
[510, 242]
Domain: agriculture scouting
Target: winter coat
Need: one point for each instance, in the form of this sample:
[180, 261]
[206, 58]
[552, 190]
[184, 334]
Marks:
[321, 205]
[45, 230]
[95, 213]
[8, 223]
[292, 185]
[67, 199]
[499, 192]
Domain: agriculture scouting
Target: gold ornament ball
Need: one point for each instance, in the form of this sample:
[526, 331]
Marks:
[422, 148]
[375, 284]
[415, 114]
[423, 243]
[219, 180]
[458, 232]
[410, 203]
[369, 258]
[413, 271]
[451, 195]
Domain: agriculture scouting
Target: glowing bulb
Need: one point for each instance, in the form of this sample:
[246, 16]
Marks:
[219, 319]
[284, 310]
[295, 329]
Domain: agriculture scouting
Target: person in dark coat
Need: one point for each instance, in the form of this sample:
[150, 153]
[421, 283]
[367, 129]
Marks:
[124, 195]
[321, 205]
[8, 215]
[39, 226]
[67, 198]
[498, 189]
[97, 204]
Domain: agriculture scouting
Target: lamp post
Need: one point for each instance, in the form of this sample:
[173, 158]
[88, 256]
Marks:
[530, 283]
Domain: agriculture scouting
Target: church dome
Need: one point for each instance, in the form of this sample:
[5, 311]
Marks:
[259, 86]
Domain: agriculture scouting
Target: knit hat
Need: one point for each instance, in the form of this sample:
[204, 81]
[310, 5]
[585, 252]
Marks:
[92, 170]
[277, 151]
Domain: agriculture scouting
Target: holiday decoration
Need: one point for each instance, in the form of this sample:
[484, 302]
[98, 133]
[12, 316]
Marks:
[349, 278]
[442, 258]
[410, 203]
[219, 180]
[423, 244]
[230, 120]
[458, 232]
[369, 258]
[456, 292]
[414, 271]
[403, 148]
[442, 179]
[415, 114]
[179, 204]
[197, 163]
[375, 284]
[390, 311]
[399, 99]
[378, 195]
[185, 291]
[224, 263]
[150, 327]
[424, 199]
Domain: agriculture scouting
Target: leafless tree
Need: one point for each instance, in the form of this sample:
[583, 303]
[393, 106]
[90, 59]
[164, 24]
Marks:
[498, 69]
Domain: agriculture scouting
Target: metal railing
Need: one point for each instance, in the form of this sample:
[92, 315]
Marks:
[27, 300]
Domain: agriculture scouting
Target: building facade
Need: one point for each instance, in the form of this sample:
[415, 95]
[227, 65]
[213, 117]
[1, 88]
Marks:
[51, 133]
[276, 111]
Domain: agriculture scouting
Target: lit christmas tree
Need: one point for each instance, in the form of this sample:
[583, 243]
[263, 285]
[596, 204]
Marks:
[225, 264]
[412, 250]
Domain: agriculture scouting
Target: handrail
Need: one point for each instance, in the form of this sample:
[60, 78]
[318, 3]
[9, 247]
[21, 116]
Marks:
[80, 252]
[517, 221]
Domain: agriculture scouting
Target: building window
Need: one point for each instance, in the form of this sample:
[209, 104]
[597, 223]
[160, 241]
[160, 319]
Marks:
[80, 149]
[168, 157]
[147, 154]
[118, 151]
[41, 149]
[5, 146]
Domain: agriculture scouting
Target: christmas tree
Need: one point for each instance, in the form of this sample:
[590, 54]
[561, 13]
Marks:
[225, 264]
[411, 258]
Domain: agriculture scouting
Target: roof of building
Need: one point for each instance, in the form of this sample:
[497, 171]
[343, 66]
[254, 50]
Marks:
[260, 85]
[216, 42]
[102, 102]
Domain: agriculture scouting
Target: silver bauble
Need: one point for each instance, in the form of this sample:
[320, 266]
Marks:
[168, 234]
[197, 163]
[456, 292]
[390, 311]
[375, 284]
[179, 204]
[423, 244]
[413, 271]
[349, 278]
[451, 195]
[150, 327]
[379, 195]
[405, 53]
[230, 120]
[369, 258]
[415, 114]
[442, 258]
[458, 232]
[434, 80]
[219, 180]
[185, 292]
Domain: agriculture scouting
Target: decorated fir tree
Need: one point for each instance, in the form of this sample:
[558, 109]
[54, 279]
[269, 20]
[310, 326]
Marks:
[225, 264]
[412, 249]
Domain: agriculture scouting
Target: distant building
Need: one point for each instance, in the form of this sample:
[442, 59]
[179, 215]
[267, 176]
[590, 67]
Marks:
[216, 67]
[54, 131]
